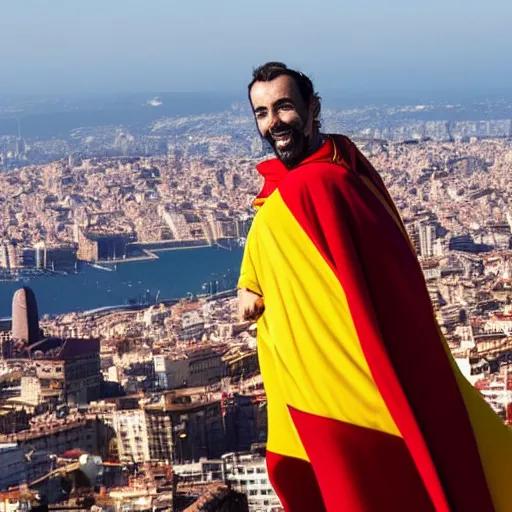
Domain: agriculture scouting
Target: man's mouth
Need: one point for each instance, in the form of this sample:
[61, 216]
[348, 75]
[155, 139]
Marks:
[282, 139]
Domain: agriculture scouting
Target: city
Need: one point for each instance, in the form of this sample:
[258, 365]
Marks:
[161, 404]
[139, 249]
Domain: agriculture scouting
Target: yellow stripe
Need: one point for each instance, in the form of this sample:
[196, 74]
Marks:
[310, 354]
[493, 438]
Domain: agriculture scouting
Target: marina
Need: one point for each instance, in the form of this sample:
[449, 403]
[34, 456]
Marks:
[173, 274]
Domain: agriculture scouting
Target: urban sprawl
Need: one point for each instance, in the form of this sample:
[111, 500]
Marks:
[161, 406]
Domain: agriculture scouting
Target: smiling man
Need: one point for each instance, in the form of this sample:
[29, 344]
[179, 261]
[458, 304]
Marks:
[284, 118]
[367, 410]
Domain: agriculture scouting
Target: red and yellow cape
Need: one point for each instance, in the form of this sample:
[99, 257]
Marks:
[367, 409]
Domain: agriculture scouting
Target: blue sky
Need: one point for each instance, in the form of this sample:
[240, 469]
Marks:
[211, 45]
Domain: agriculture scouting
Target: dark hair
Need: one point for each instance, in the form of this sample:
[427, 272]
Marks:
[271, 70]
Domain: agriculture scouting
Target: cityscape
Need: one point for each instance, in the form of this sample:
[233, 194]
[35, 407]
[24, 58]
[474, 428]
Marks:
[157, 403]
[183, 329]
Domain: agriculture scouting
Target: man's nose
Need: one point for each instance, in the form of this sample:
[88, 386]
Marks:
[273, 120]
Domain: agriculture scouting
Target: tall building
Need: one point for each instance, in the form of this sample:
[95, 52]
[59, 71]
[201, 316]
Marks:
[414, 237]
[10, 257]
[427, 238]
[25, 317]
[13, 255]
[4, 257]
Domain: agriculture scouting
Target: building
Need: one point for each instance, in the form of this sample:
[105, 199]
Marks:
[240, 422]
[205, 470]
[196, 368]
[25, 317]
[55, 436]
[426, 239]
[55, 258]
[13, 419]
[500, 321]
[21, 464]
[247, 473]
[414, 237]
[10, 385]
[132, 435]
[463, 243]
[240, 363]
[55, 369]
[94, 247]
[65, 370]
[4, 258]
[192, 326]
[180, 430]
[10, 256]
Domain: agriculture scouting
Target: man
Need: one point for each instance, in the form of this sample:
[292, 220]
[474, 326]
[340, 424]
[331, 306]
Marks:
[367, 410]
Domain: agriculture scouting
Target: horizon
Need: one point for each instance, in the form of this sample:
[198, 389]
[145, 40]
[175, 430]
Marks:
[454, 93]
[350, 98]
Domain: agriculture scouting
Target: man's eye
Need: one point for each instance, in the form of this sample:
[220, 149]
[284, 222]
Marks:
[260, 114]
[286, 106]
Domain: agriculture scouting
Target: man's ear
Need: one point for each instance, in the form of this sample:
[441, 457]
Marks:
[312, 114]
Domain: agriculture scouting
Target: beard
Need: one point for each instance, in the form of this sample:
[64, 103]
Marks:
[289, 144]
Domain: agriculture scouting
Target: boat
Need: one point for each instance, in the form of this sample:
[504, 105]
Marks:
[109, 267]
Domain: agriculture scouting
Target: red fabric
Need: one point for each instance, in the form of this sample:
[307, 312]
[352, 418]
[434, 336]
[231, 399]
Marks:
[360, 469]
[274, 170]
[350, 157]
[394, 320]
[295, 483]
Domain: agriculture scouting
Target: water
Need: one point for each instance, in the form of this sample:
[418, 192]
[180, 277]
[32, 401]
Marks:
[46, 119]
[174, 274]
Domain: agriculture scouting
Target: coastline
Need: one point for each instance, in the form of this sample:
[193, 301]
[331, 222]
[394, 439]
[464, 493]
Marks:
[154, 248]
[150, 254]
[149, 250]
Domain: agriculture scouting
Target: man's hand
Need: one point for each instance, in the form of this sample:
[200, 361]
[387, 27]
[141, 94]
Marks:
[250, 305]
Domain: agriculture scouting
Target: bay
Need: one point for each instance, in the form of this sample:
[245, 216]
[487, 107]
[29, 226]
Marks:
[175, 274]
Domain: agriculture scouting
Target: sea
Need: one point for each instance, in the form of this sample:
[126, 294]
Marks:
[175, 274]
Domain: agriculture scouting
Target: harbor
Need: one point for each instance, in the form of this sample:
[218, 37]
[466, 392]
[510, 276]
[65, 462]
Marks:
[174, 274]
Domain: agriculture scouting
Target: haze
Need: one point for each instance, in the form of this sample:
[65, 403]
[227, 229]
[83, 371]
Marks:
[98, 46]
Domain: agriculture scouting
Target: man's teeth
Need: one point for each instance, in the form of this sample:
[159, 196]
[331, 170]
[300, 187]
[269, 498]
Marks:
[281, 135]
[281, 143]
[283, 139]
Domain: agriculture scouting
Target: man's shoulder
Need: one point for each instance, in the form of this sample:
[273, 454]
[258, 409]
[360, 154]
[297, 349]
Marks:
[342, 140]
[326, 173]
[345, 146]
[271, 169]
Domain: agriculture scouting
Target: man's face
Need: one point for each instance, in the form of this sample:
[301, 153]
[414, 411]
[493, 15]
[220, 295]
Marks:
[282, 118]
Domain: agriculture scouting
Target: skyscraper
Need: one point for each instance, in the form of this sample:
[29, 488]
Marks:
[25, 317]
[427, 238]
